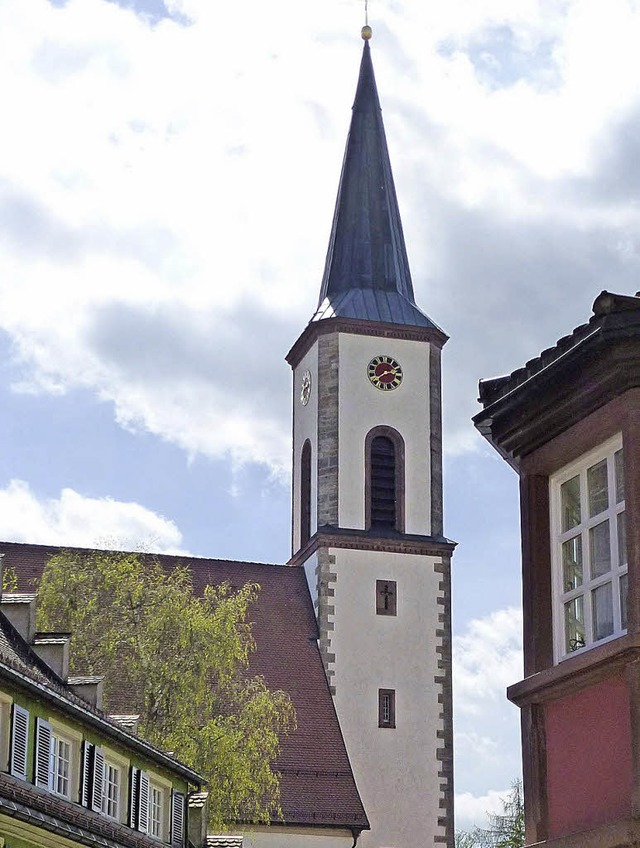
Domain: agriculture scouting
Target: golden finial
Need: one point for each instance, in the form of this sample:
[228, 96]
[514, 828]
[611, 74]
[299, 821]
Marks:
[366, 31]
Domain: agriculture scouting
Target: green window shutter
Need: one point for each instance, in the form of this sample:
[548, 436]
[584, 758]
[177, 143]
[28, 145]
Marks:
[42, 764]
[19, 742]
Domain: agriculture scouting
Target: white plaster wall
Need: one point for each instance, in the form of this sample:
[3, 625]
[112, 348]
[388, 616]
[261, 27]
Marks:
[312, 581]
[305, 426]
[396, 769]
[280, 837]
[362, 407]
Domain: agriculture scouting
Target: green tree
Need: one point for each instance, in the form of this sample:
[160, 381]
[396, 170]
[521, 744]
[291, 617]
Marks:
[183, 663]
[505, 829]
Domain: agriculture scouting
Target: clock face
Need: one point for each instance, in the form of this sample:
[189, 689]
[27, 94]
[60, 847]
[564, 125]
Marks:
[385, 373]
[305, 388]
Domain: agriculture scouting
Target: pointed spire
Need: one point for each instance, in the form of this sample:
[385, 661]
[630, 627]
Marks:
[367, 271]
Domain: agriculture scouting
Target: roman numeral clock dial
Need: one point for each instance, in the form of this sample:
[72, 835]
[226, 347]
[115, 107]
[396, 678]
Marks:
[385, 373]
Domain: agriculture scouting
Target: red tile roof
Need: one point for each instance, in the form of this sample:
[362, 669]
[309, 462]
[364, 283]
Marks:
[317, 784]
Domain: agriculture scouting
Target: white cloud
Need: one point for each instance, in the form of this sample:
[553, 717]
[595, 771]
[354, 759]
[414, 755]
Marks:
[487, 657]
[79, 521]
[471, 810]
[191, 170]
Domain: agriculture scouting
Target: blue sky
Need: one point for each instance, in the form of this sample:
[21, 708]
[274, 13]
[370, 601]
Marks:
[167, 178]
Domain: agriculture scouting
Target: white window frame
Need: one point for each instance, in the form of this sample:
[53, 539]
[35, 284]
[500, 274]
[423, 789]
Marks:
[61, 765]
[560, 595]
[156, 810]
[111, 789]
[73, 738]
[120, 766]
[162, 789]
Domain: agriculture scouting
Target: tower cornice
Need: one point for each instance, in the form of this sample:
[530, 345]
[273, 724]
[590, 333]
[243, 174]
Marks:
[363, 540]
[362, 327]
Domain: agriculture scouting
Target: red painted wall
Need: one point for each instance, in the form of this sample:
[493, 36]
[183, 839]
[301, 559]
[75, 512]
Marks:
[588, 758]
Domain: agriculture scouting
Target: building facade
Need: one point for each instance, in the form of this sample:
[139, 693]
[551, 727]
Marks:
[569, 423]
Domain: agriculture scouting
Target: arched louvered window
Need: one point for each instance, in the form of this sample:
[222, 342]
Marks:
[384, 485]
[305, 493]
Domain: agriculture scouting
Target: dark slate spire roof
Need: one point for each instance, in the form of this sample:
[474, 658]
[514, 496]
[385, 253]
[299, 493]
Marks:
[367, 271]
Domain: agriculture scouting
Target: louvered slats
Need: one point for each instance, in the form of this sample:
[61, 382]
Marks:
[19, 742]
[177, 818]
[43, 753]
[383, 483]
[143, 802]
[85, 775]
[134, 789]
[97, 779]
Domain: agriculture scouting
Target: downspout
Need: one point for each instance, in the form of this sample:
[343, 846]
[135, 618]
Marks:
[356, 835]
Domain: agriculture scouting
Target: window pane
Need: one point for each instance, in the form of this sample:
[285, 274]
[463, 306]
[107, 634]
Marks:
[597, 488]
[600, 549]
[572, 563]
[570, 497]
[574, 624]
[602, 600]
[61, 760]
[619, 463]
[623, 601]
[622, 538]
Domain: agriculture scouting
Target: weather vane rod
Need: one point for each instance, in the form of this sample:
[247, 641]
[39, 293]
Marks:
[366, 29]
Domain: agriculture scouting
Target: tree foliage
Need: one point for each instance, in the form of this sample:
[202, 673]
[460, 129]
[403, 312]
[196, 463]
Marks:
[505, 829]
[183, 663]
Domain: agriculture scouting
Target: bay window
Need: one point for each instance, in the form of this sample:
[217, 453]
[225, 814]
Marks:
[589, 556]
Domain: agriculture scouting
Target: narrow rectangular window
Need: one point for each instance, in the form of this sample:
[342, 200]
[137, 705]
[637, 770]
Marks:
[111, 799]
[386, 595]
[155, 811]
[60, 766]
[386, 708]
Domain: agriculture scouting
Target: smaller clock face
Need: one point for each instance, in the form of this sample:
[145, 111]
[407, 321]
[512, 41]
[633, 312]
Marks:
[385, 373]
[305, 388]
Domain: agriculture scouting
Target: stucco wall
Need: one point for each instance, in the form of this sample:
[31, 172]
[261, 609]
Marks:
[406, 409]
[305, 426]
[588, 758]
[275, 837]
[397, 769]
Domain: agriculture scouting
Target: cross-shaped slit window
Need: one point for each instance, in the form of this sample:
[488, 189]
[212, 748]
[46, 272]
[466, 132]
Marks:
[386, 597]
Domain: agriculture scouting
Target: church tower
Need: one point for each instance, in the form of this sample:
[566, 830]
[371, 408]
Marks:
[367, 500]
